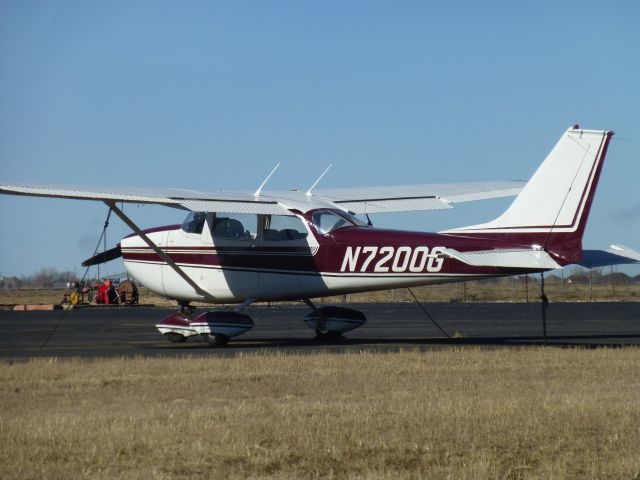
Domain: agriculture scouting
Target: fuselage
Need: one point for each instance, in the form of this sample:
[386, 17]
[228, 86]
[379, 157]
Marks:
[319, 253]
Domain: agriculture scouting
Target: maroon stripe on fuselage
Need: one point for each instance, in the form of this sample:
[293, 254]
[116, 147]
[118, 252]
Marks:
[364, 237]
[248, 258]
[331, 254]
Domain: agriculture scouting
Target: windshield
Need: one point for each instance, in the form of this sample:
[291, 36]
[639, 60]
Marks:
[194, 222]
[326, 221]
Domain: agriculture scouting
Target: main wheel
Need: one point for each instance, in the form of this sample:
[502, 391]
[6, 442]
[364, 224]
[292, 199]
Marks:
[175, 337]
[217, 340]
[328, 337]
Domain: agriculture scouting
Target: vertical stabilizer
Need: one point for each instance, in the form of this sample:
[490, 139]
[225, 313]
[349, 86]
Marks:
[552, 209]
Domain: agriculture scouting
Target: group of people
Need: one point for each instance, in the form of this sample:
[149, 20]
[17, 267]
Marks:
[105, 293]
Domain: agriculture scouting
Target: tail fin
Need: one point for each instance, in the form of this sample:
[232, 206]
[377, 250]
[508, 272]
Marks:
[552, 210]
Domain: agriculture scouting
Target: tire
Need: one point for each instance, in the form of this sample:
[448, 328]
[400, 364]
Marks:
[328, 337]
[218, 340]
[175, 337]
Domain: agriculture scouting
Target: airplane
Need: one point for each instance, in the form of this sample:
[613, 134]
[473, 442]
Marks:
[242, 247]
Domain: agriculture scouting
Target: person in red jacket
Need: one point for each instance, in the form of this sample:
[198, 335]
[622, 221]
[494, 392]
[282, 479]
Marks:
[103, 292]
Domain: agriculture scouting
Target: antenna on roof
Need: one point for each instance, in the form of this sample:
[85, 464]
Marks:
[257, 194]
[308, 194]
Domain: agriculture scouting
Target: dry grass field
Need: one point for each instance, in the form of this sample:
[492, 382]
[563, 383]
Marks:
[461, 292]
[521, 413]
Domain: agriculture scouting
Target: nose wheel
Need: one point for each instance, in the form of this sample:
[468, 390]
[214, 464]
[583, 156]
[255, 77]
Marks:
[216, 326]
[175, 337]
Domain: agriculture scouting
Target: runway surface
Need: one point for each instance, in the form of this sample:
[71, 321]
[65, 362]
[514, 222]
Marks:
[97, 332]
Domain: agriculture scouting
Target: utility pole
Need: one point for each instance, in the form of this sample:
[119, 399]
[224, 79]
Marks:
[613, 282]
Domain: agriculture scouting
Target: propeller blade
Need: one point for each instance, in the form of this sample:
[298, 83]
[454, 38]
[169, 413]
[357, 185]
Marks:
[103, 257]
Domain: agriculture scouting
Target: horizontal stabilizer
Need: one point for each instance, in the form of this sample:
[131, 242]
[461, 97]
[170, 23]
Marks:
[625, 252]
[512, 258]
[616, 255]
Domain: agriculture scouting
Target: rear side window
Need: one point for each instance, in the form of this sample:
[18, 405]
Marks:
[279, 228]
[194, 222]
[234, 226]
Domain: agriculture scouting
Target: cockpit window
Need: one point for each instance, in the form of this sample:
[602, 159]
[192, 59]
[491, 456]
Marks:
[326, 221]
[194, 222]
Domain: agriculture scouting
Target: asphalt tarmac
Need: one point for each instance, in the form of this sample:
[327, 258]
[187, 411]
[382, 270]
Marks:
[130, 331]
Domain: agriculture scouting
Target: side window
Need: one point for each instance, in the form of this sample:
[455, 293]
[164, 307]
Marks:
[234, 226]
[280, 228]
[194, 222]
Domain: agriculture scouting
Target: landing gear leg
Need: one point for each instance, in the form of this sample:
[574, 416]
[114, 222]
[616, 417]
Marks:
[186, 308]
[322, 332]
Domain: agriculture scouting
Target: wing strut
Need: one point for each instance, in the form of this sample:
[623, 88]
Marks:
[111, 204]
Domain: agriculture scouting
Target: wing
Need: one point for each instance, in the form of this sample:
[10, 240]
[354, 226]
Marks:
[416, 197]
[172, 197]
[356, 200]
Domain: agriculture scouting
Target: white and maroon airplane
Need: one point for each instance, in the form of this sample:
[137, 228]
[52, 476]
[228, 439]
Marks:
[245, 247]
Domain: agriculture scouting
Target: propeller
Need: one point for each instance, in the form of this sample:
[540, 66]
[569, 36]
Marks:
[103, 257]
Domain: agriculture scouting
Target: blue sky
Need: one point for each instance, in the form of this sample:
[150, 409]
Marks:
[208, 95]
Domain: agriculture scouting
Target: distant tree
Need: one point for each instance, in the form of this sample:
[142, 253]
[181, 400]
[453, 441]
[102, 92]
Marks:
[10, 283]
[47, 278]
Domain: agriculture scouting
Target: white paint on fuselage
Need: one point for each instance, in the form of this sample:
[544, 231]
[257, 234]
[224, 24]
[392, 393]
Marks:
[273, 286]
[225, 285]
[233, 285]
[148, 274]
